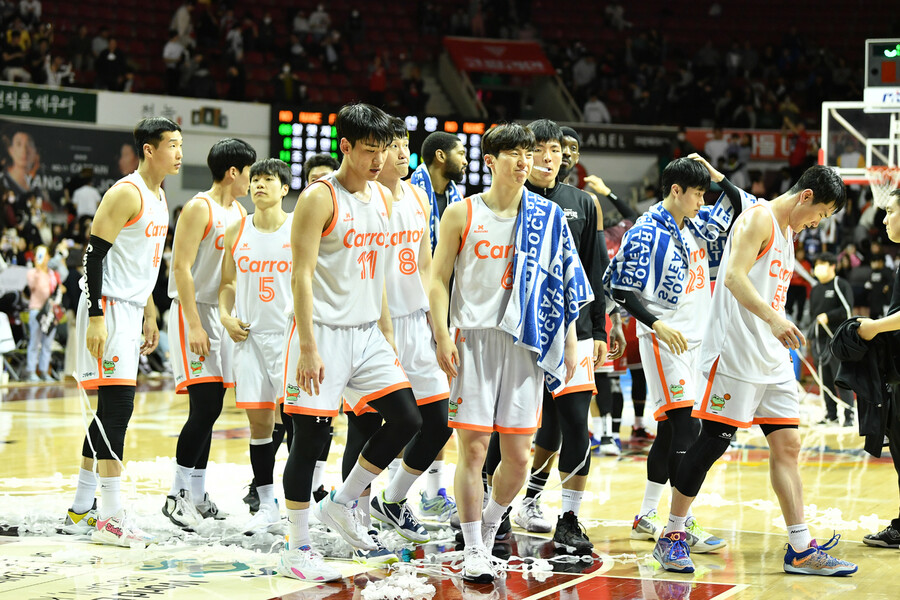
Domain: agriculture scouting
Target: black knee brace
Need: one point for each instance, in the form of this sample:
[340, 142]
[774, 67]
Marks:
[298, 472]
[548, 435]
[115, 403]
[712, 443]
[426, 445]
[402, 420]
[575, 455]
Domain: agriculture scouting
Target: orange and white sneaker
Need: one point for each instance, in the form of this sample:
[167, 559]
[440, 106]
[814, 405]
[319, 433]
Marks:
[815, 561]
[117, 531]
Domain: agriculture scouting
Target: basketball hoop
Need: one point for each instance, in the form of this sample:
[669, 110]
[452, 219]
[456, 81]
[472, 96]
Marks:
[882, 181]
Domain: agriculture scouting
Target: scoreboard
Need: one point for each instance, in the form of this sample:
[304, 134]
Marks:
[298, 135]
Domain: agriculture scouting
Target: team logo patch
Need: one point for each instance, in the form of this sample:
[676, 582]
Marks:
[717, 403]
[291, 392]
[109, 366]
[197, 365]
[677, 391]
[454, 407]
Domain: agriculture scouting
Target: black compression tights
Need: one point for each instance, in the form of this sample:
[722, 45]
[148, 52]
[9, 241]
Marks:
[712, 443]
[115, 403]
[673, 438]
[564, 422]
[298, 472]
[195, 438]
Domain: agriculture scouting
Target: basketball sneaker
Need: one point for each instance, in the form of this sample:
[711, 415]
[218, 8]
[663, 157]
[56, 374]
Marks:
[400, 517]
[267, 518]
[441, 507]
[641, 436]
[208, 509]
[477, 566]
[343, 520]
[700, 540]
[673, 553]
[647, 527]
[595, 445]
[81, 523]
[571, 536]
[380, 556]
[181, 510]
[886, 538]
[252, 498]
[815, 561]
[306, 564]
[319, 493]
[117, 531]
[609, 447]
[530, 517]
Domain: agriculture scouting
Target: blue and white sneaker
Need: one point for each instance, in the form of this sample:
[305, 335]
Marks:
[380, 556]
[400, 517]
[673, 553]
[440, 507]
[700, 540]
[815, 561]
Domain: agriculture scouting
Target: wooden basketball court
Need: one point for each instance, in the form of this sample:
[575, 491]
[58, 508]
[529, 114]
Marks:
[40, 438]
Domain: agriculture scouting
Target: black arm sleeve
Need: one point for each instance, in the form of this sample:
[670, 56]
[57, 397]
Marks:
[591, 262]
[93, 274]
[629, 301]
[628, 213]
[734, 195]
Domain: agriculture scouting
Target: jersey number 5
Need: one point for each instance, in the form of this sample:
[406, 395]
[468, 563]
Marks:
[266, 292]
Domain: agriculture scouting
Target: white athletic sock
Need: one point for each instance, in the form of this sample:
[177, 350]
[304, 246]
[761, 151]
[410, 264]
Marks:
[571, 501]
[493, 512]
[392, 468]
[652, 493]
[398, 487]
[266, 494]
[799, 536]
[110, 498]
[472, 534]
[675, 524]
[198, 484]
[353, 486]
[298, 528]
[433, 478]
[84, 493]
[182, 480]
[487, 497]
[599, 427]
[318, 474]
[364, 510]
[638, 422]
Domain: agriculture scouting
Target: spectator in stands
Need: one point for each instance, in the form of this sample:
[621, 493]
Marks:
[319, 23]
[615, 14]
[174, 54]
[716, 147]
[78, 50]
[42, 283]
[112, 69]
[236, 77]
[86, 197]
[414, 97]
[288, 86]
[296, 53]
[58, 73]
[377, 81]
[100, 42]
[300, 24]
[30, 12]
[331, 50]
[799, 287]
[35, 61]
[183, 24]
[878, 287]
[584, 72]
[595, 110]
[234, 41]
[356, 29]
[14, 59]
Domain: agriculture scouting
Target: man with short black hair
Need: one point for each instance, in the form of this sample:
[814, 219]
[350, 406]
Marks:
[443, 166]
[318, 166]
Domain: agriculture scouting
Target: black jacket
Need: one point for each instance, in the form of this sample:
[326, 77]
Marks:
[868, 368]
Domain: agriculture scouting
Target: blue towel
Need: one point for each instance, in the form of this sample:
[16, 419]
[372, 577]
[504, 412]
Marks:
[549, 285]
[421, 178]
[652, 260]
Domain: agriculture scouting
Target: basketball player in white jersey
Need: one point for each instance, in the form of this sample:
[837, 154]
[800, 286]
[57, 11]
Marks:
[121, 266]
[256, 285]
[669, 336]
[408, 270]
[339, 236]
[744, 356]
[197, 359]
[498, 385]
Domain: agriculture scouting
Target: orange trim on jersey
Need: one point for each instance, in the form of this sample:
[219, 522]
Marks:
[771, 237]
[380, 394]
[335, 214]
[141, 212]
[709, 383]
[775, 421]
[312, 412]
[208, 223]
[516, 430]
[93, 384]
[470, 427]
[659, 415]
[238, 238]
[228, 384]
[241, 209]
[181, 343]
[181, 388]
[699, 414]
[251, 405]
[584, 387]
[659, 368]
[362, 411]
[416, 196]
[383, 198]
[433, 399]
[465, 234]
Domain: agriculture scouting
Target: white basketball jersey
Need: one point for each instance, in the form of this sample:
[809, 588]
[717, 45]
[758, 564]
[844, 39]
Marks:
[405, 291]
[742, 342]
[263, 276]
[207, 268]
[131, 266]
[349, 276]
[688, 316]
[483, 270]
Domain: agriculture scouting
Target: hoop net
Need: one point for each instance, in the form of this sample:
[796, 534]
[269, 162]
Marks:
[882, 181]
